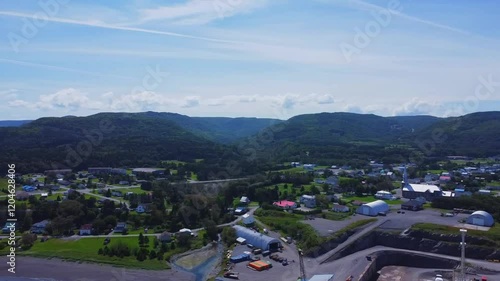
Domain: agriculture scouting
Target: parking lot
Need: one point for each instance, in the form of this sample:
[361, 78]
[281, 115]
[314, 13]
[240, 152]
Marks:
[395, 221]
[326, 227]
[403, 221]
[277, 272]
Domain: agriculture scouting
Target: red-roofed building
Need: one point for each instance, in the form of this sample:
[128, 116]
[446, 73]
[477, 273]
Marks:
[86, 229]
[285, 204]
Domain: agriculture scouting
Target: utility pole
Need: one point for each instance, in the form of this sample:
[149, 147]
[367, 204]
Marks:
[462, 244]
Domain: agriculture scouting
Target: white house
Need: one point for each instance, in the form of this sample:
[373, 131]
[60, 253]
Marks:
[385, 195]
[248, 219]
[86, 229]
[308, 200]
[244, 200]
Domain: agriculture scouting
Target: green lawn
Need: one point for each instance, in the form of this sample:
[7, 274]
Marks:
[367, 199]
[137, 190]
[494, 183]
[3, 185]
[86, 249]
[194, 176]
[437, 172]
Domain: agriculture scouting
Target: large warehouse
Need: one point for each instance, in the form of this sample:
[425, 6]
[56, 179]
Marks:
[257, 239]
[481, 218]
[373, 208]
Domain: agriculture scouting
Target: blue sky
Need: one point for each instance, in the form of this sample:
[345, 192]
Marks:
[263, 58]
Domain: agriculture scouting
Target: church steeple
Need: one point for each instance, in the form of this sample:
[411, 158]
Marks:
[405, 177]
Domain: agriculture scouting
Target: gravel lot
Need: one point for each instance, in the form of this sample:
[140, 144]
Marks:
[403, 221]
[327, 227]
[395, 221]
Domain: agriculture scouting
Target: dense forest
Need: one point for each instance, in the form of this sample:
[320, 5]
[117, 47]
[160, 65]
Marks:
[242, 146]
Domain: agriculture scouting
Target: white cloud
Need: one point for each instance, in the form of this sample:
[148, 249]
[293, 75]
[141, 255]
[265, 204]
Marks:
[416, 106]
[325, 99]
[65, 98]
[196, 12]
[9, 94]
[191, 102]
[20, 103]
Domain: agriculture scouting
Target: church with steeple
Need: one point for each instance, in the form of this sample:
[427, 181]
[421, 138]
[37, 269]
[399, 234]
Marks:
[413, 191]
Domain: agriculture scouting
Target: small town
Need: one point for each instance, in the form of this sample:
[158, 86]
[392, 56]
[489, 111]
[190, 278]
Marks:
[302, 219]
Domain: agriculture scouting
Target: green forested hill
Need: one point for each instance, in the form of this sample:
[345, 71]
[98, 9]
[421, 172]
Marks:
[139, 139]
[476, 134]
[218, 129]
[349, 137]
[123, 139]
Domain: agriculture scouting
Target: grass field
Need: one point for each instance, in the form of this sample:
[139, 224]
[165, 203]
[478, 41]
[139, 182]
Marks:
[368, 199]
[3, 185]
[493, 233]
[137, 190]
[86, 250]
[334, 216]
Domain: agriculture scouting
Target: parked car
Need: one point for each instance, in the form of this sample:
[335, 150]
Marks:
[382, 214]
[266, 253]
[250, 246]
[257, 251]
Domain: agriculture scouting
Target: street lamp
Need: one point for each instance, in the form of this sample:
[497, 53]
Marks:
[462, 244]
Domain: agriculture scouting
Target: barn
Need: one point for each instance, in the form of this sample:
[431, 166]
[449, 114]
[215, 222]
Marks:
[257, 239]
[481, 218]
[373, 208]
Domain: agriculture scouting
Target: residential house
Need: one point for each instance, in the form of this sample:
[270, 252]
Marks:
[309, 201]
[285, 204]
[240, 210]
[333, 181]
[412, 205]
[121, 227]
[124, 182]
[385, 195]
[357, 203]
[22, 195]
[39, 227]
[86, 229]
[8, 227]
[116, 193]
[244, 200]
[444, 179]
[143, 208]
[165, 237]
[29, 188]
[295, 164]
[484, 192]
[431, 177]
[248, 219]
[340, 208]
[118, 171]
[309, 167]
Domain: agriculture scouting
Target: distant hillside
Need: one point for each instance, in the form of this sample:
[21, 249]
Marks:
[334, 137]
[218, 129]
[476, 134]
[134, 140]
[13, 123]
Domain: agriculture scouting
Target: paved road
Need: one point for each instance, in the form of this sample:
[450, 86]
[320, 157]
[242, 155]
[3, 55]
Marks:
[356, 263]
[352, 238]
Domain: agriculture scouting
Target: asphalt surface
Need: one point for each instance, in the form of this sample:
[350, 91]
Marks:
[356, 263]
[326, 227]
